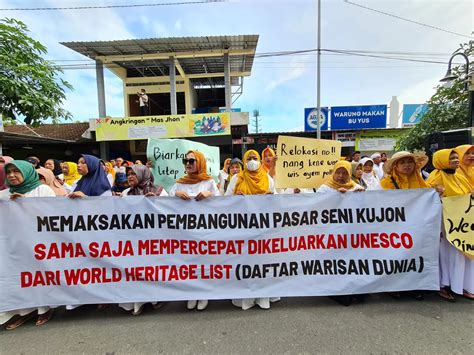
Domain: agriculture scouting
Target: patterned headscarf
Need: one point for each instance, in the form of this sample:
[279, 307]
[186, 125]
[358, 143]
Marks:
[145, 181]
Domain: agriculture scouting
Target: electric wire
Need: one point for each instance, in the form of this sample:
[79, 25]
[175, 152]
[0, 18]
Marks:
[96, 7]
[407, 20]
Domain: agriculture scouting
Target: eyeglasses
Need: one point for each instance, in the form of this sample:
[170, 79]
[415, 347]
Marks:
[189, 161]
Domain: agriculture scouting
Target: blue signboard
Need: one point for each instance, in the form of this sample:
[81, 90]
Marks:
[412, 114]
[358, 117]
[311, 119]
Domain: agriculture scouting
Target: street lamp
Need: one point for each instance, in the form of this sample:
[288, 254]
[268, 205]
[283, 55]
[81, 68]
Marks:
[449, 76]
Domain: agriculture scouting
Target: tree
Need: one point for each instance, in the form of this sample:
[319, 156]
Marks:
[256, 122]
[30, 86]
[448, 109]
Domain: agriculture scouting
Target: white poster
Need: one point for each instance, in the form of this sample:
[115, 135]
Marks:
[57, 251]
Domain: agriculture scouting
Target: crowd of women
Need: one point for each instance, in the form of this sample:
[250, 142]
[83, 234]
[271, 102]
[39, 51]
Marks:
[253, 175]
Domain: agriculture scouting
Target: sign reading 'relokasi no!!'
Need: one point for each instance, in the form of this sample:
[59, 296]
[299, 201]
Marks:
[358, 117]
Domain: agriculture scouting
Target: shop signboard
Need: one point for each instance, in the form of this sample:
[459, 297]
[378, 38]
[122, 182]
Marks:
[172, 126]
[380, 140]
[412, 114]
[346, 138]
[311, 119]
[358, 117]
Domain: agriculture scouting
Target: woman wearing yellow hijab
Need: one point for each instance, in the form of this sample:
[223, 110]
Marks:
[466, 165]
[456, 269]
[223, 175]
[403, 171]
[197, 185]
[268, 161]
[340, 179]
[253, 180]
[71, 175]
[446, 174]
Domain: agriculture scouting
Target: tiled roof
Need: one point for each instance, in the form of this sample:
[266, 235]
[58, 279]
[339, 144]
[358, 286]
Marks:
[65, 131]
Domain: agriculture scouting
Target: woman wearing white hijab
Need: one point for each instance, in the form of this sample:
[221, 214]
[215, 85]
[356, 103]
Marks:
[369, 176]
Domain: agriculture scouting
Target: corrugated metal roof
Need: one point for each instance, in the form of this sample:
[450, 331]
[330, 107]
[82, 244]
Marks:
[162, 45]
[160, 67]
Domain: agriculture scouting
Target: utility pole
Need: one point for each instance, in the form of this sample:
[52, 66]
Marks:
[319, 71]
[256, 115]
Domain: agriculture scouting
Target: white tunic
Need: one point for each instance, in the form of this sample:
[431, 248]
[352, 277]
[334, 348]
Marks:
[372, 181]
[135, 306]
[162, 194]
[222, 178]
[40, 191]
[194, 189]
[324, 189]
[378, 169]
[290, 190]
[456, 269]
[247, 303]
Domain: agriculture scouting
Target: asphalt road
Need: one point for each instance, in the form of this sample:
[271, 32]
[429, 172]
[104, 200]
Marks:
[295, 325]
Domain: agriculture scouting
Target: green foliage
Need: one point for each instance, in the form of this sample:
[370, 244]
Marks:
[448, 109]
[30, 86]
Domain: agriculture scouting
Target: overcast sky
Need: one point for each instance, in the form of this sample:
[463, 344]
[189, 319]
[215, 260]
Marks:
[280, 87]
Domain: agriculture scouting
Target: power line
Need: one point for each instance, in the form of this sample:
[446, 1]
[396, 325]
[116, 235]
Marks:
[384, 57]
[407, 20]
[300, 52]
[111, 6]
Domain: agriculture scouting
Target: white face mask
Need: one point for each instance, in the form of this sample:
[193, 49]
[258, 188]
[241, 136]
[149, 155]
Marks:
[253, 165]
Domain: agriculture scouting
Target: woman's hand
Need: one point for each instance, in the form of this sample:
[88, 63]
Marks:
[182, 195]
[202, 195]
[342, 189]
[440, 190]
[239, 193]
[149, 194]
[15, 195]
[296, 191]
[77, 194]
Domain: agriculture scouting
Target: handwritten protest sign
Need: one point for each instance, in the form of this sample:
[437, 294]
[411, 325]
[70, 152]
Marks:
[458, 214]
[305, 162]
[99, 250]
[167, 154]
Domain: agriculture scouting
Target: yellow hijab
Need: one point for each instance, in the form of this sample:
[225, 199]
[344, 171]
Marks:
[453, 183]
[201, 175]
[333, 183]
[110, 169]
[72, 176]
[266, 165]
[226, 165]
[466, 170]
[404, 181]
[252, 182]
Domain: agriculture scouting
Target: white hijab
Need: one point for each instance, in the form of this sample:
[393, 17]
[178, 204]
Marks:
[371, 179]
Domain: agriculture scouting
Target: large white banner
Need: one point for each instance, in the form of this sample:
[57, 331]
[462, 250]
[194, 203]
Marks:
[57, 251]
